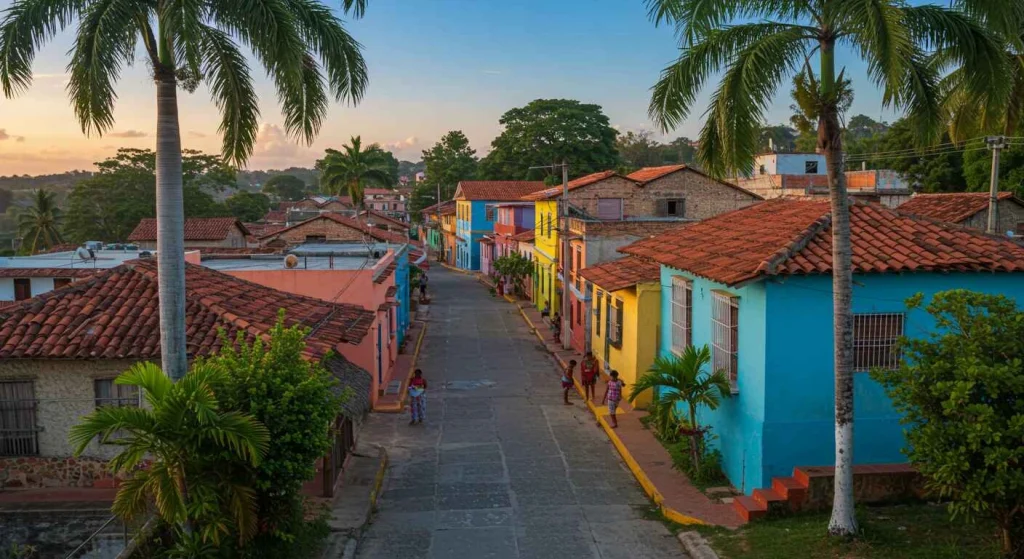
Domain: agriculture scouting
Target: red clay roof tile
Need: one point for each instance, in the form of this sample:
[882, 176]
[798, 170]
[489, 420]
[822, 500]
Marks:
[505, 191]
[374, 232]
[113, 315]
[48, 272]
[787, 236]
[526, 236]
[385, 218]
[556, 191]
[953, 207]
[196, 229]
[650, 173]
[622, 273]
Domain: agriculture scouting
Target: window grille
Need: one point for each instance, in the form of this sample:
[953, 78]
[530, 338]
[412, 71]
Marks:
[599, 299]
[874, 341]
[615, 322]
[682, 314]
[19, 435]
[489, 212]
[725, 336]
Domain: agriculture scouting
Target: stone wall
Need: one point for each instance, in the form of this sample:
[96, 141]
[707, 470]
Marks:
[324, 226]
[705, 197]
[1010, 218]
[34, 472]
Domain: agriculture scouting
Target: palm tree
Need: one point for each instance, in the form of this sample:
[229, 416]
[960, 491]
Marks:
[303, 46]
[184, 436]
[806, 100]
[973, 112]
[758, 43]
[352, 168]
[40, 224]
[682, 380]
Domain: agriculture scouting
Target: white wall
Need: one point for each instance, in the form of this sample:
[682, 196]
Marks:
[6, 289]
[40, 285]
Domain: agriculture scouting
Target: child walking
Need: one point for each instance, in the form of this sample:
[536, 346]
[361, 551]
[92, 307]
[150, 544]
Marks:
[567, 381]
[612, 395]
[588, 376]
[417, 397]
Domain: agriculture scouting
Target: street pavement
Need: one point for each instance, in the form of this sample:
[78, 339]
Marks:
[501, 468]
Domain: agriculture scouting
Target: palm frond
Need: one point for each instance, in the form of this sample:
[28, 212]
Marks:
[243, 435]
[182, 20]
[242, 503]
[339, 52]
[878, 30]
[27, 26]
[920, 94]
[355, 8]
[132, 499]
[304, 102]
[147, 376]
[231, 86]
[105, 43]
[693, 20]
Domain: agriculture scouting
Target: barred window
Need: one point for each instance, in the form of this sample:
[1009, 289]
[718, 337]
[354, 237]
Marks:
[599, 299]
[110, 394]
[615, 322]
[19, 435]
[725, 336]
[874, 341]
[682, 314]
[489, 212]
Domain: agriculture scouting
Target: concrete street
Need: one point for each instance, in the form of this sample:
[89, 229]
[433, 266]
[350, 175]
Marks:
[501, 468]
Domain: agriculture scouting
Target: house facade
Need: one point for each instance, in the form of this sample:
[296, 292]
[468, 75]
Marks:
[513, 219]
[476, 211]
[200, 232]
[745, 283]
[486, 255]
[448, 233]
[523, 244]
[970, 209]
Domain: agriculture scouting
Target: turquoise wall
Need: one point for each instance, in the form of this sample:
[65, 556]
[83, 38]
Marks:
[402, 296]
[471, 230]
[782, 415]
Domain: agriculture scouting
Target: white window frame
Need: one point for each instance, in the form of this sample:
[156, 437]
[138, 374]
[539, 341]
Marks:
[615, 315]
[725, 336]
[682, 314]
[875, 337]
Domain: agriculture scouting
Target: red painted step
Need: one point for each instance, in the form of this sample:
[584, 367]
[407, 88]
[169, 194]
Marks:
[748, 508]
[773, 502]
[791, 489]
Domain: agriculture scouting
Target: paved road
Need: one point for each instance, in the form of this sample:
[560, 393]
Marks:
[501, 469]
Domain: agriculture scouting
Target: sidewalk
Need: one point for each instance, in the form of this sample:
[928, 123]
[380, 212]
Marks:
[405, 364]
[650, 463]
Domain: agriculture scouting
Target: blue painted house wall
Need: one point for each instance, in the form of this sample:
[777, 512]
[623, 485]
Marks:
[782, 414]
[470, 231]
[402, 296]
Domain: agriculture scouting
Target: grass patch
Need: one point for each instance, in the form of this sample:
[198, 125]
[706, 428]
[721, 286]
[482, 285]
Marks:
[918, 531]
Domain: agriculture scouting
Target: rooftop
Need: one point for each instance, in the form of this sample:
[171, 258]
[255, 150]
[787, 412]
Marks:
[373, 232]
[276, 262]
[953, 206]
[499, 191]
[622, 273]
[70, 259]
[556, 191]
[114, 315]
[787, 236]
[196, 229]
[648, 174]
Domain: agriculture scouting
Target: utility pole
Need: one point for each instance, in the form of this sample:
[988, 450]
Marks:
[996, 144]
[564, 231]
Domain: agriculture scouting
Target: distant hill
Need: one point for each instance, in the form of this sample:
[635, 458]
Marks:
[253, 180]
[61, 182]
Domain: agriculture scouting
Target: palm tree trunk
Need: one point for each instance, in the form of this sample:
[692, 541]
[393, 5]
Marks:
[695, 438]
[170, 221]
[844, 521]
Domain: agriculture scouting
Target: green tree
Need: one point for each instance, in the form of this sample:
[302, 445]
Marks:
[680, 151]
[639, 149]
[806, 103]
[977, 168]
[682, 380]
[39, 225]
[388, 161]
[185, 432]
[108, 205]
[301, 43]
[937, 171]
[248, 206]
[546, 132]
[757, 44]
[297, 400]
[348, 171]
[960, 391]
[515, 268]
[776, 137]
[285, 187]
[449, 161]
[863, 135]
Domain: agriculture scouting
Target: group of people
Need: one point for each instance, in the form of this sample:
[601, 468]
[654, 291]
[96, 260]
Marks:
[588, 378]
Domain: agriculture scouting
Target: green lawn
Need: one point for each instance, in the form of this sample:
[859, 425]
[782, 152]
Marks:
[919, 531]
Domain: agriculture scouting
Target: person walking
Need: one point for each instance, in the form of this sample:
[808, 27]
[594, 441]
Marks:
[588, 376]
[417, 398]
[423, 285]
[612, 395]
[567, 381]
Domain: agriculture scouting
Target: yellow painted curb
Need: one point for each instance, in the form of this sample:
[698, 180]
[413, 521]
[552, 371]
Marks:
[378, 480]
[412, 368]
[457, 270]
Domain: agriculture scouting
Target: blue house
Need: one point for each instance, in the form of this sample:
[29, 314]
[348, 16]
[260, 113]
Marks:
[476, 212]
[755, 286]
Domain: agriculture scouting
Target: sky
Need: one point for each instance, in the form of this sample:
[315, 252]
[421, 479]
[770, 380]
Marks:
[434, 65]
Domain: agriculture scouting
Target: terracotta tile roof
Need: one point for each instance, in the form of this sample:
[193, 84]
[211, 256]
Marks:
[113, 315]
[275, 216]
[379, 191]
[556, 191]
[392, 291]
[503, 191]
[787, 236]
[621, 273]
[48, 272]
[432, 209]
[485, 240]
[385, 218]
[526, 236]
[196, 229]
[374, 232]
[448, 210]
[386, 273]
[419, 259]
[953, 207]
[262, 229]
[650, 173]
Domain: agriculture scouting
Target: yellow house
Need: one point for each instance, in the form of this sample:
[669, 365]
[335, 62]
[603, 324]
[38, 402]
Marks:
[626, 311]
[546, 287]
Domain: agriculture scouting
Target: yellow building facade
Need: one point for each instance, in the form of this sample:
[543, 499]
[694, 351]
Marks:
[546, 287]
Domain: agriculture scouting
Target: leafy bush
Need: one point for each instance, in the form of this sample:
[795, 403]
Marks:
[961, 393]
[515, 268]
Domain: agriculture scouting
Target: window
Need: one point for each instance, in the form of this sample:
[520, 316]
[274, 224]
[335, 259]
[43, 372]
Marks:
[579, 312]
[18, 432]
[579, 259]
[61, 282]
[725, 336]
[22, 289]
[811, 167]
[615, 322]
[761, 170]
[489, 211]
[675, 207]
[316, 238]
[874, 341]
[549, 224]
[599, 298]
[682, 314]
[118, 395]
[609, 208]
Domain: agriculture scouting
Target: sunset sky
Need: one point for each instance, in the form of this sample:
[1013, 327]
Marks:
[435, 66]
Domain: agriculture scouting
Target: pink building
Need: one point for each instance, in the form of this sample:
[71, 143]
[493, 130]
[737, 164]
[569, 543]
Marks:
[523, 244]
[487, 255]
[390, 202]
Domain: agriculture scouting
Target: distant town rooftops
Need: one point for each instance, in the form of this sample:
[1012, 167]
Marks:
[556, 191]
[498, 191]
[952, 206]
[277, 262]
[196, 229]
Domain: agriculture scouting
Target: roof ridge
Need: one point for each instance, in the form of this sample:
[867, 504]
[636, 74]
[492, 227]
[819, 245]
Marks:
[792, 248]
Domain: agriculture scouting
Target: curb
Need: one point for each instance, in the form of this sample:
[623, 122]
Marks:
[344, 542]
[696, 546]
[415, 357]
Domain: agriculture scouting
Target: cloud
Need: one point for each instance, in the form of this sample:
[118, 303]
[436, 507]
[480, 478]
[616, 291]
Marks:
[493, 72]
[19, 139]
[5, 136]
[403, 144]
[48, 76]
[194, 134]
[128, 134]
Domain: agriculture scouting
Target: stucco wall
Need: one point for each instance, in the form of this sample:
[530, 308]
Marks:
[640, 325]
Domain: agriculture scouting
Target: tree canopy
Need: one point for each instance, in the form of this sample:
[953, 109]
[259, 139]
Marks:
[285, 187]
[449, 161]
[248, 206]
[546, 132]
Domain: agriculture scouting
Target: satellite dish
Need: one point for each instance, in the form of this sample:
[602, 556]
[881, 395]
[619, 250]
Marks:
[291, 261]
[145, 254]
[84, 253]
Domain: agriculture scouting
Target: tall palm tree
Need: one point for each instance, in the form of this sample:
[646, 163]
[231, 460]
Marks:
[303, 46]
[683, 381]
[185, 436]
[39, 225]
[975, 112]
[758, 44]
[350, 169]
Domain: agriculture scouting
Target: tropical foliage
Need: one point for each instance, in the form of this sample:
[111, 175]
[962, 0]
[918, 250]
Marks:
[961, 393]
[248, 206]
[347, 172]
[172, 452]
[449, 161]
[285, 187]
[515, 268]
[39, 225]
